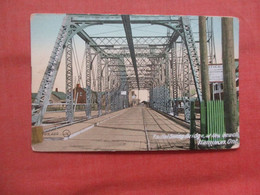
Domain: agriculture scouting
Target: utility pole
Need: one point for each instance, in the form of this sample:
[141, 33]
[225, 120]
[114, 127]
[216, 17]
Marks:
[230, 96]
[204, 59]
[204, 72]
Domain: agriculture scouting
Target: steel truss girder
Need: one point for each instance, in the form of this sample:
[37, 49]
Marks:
[158, 22]
[174, 66]
[122, 99]
[167, 85]
[186, 83]
[88, 106]
[192, 54]
[116, 101]
[116, 19]
[190, 64]
[114, 42]
[69, 83]
[99, 95]
[128, 32]
[140, 52]
[106, 82]
[42, 99]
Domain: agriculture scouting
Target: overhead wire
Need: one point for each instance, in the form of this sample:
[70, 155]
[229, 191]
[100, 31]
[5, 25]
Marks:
[73, 54]
[79, 80]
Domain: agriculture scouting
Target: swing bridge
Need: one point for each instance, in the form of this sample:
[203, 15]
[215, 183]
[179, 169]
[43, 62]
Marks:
[167, 66]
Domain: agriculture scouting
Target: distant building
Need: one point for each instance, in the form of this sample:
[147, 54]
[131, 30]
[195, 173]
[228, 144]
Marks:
[133, 101]
[79, 94]
[57, 100]
[217, 89]
[56, 97]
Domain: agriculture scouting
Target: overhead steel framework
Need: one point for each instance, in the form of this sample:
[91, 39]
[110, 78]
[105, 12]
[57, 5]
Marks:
[166, 65]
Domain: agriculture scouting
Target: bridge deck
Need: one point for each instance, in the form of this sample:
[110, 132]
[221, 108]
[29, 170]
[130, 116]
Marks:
[137, 128]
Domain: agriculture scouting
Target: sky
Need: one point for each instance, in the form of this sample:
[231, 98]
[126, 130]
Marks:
[45, 28]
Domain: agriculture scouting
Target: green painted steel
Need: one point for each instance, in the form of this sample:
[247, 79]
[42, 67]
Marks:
[192, 124]
[215, 120]
[203, 119]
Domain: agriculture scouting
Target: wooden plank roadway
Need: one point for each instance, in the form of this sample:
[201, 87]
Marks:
[133, 129]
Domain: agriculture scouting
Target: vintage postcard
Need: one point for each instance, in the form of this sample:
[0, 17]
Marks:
[134, 82]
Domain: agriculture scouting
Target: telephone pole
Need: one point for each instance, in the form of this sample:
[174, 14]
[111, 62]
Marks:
[204, 72]
[204, 59]
[230, 96]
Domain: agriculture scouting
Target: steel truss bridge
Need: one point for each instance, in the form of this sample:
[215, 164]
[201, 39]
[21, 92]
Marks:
[167, 65]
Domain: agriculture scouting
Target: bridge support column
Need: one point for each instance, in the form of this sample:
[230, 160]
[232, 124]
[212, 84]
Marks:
[107, 101]
[174, 65]
[111, 94]
[167, 86]
[69, 82]
[117, 102]
[127, 98]
[106, 87]
[121, 100]
[99, 96]
[186, 83]
[88, 106]
[99, 93]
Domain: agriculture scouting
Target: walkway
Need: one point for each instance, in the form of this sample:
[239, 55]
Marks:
[133, 129]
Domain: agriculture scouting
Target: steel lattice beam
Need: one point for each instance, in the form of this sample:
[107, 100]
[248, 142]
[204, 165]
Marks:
[116, 19]
[192, 54]
[42, 99]
[174, 65]
[99, 85]
[69, 83]
[186, 83]
[88, 106]
[128, 32]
